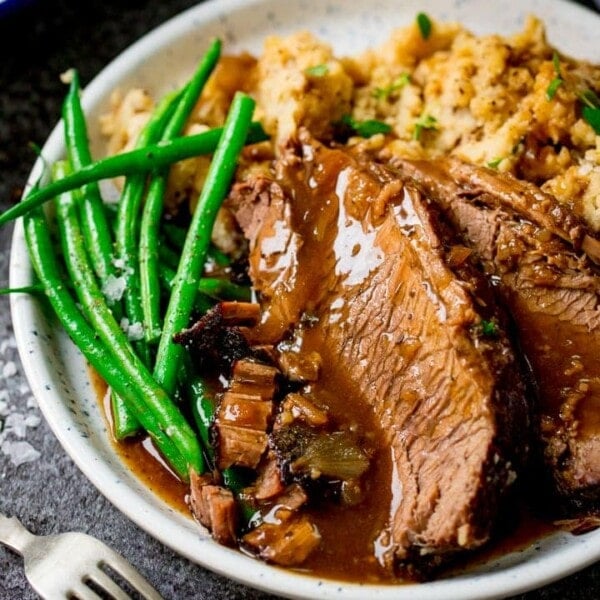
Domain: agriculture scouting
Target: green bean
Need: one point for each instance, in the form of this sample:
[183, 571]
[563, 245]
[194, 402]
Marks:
[26, 289]
[124, 422]
[222, 289]
[214, 287]
[153, 206]
[93, 217]
[193, 256]
[202, 303]
[203, 409]
[157, 402]
[37, 233]
[220, 258]
[140, 160]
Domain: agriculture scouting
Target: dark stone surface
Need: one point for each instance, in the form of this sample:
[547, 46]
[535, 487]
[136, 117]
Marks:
[51, 495]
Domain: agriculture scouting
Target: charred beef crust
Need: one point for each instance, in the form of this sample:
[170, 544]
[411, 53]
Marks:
[451, 399]
[553, 292]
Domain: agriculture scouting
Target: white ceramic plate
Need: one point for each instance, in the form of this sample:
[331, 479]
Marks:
[57, 372]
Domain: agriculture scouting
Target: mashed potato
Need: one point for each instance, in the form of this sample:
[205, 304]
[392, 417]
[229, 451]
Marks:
[483, 99]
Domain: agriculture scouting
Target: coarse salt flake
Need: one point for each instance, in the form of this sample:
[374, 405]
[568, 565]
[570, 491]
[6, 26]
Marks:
[134, 331]
[32, 421]
[20, 452]
[113, 288]
[15, 424]
[119, 263]
[9, 369]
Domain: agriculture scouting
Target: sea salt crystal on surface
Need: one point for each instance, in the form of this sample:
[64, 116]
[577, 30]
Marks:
[32, 421]
[113, 288]
[3, 408]
[20, 452]
[9, 369]
[15, 424]
[6, 344]
[119, 263]
[134, 332]
[32, 402]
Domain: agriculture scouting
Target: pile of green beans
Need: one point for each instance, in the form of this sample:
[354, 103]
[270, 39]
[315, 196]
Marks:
[96, 245]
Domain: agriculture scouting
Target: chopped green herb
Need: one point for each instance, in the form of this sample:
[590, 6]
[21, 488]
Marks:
[424, 122]
[592, 116]
[366, 128]
[397, 84]
[556, 63]
[494, 164]
[317, 70]
[488, 328]
[558, 80]
[552, 87]
[591, 108]
[424, 23]
[589, 98]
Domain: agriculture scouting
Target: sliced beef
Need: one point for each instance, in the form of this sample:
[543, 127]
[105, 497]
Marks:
[536, 254]
[286, 542]
[215, 507]
[360, 270]
[244, 414]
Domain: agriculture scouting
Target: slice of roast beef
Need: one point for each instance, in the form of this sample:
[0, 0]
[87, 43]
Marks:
[358, 270]
[535, 252]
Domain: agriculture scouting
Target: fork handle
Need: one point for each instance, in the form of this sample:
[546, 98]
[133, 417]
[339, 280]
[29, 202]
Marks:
[13, 534]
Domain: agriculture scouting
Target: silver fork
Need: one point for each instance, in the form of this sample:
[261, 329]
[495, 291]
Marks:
[70, 565]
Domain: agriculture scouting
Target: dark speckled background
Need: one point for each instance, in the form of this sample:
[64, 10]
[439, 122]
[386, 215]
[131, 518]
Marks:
[51, 495]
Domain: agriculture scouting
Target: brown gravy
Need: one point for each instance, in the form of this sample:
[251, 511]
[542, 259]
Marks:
[349, 548]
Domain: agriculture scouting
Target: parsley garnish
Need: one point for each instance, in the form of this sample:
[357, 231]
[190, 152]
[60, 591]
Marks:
[591, 110]
[592, 116]
[424, 23]
[366, 128]
[397, 84]
[589, 98]
[558, 80]
[556, 62]
[488, 328]
[317, 70]
[552, 87]
[494, 164]
[424, 122]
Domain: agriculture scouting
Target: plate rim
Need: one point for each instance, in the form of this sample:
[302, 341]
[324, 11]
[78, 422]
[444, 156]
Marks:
[246, 570]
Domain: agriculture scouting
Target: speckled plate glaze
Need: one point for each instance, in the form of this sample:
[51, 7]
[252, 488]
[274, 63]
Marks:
[57, 372]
